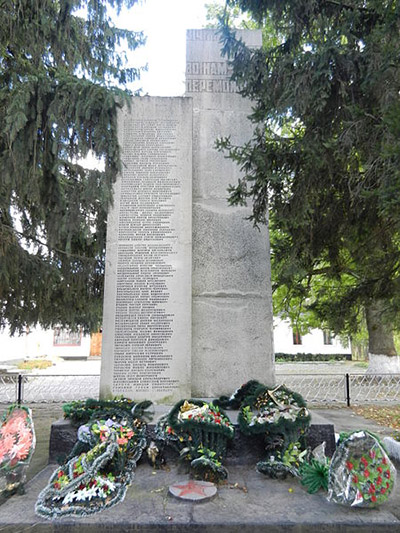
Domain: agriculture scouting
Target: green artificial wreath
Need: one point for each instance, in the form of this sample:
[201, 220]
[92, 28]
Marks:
[276, 413]
[280, 465]
[98, 478]
[80, 412]
[200, 431]
[235, 400]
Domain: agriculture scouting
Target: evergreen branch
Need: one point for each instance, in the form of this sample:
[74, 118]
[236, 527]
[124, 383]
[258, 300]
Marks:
[50, 248]
[341, 5]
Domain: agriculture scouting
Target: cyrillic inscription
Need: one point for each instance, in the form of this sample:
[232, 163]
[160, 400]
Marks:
[146, 250]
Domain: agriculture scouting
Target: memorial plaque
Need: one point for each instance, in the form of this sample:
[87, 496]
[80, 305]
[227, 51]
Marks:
[232, 303]
[152, 346]
[147, 307]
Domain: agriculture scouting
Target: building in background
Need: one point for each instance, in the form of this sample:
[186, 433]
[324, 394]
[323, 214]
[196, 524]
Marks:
[37, 342]
[289, 341]
[74, 345]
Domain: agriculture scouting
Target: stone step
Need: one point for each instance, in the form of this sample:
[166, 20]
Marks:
[248, 503]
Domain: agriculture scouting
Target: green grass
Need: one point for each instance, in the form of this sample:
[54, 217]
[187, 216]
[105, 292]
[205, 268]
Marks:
[35, 363]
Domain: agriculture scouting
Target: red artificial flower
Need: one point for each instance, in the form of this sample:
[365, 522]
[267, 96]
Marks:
[349, 465]
[379, 480]
[355, 479]
[366, 473]
[380, 470]
[57, 485]
[364, 461]
[373, 498]
[60, 474]
[371, 488]
[372, 454]
[387, 474]
[384, 462]
[383, 490]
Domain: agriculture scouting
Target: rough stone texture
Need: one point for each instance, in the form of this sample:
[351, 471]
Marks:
[232, 311]
[320, 433]
[383, 364]
[147, 305]
[62, 440]
[393, 447]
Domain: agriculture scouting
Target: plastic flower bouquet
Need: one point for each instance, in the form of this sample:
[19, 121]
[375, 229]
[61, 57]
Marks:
[361, 473]
[98, 478]
[17, 444]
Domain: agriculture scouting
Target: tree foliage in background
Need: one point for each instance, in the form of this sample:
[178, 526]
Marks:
[325, 156]
[61, 69]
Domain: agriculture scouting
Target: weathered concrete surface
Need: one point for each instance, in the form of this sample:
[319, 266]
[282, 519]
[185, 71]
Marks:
[267, 506]
[232, 310]
[249, 502]
[146, 350]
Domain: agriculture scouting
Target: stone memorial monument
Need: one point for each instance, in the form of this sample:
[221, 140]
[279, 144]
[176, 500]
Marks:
[187, 309]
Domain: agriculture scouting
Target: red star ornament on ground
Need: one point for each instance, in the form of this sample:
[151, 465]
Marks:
[193, 490]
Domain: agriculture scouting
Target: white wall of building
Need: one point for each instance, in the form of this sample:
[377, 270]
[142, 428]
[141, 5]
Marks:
[39, 342]
[313, 342]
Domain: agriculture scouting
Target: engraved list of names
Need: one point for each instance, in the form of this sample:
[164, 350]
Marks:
[148, 273]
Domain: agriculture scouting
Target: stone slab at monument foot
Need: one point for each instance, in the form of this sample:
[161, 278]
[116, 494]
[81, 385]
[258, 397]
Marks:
[188, 307]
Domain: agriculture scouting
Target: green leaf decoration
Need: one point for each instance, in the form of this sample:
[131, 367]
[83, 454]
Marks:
[314, 475]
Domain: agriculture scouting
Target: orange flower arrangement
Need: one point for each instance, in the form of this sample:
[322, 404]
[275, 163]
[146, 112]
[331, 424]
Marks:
[17, 438]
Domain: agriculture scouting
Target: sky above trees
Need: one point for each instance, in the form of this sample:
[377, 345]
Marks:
[165, 24]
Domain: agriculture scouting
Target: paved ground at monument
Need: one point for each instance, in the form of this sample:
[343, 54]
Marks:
[255, 504]
[267, 504]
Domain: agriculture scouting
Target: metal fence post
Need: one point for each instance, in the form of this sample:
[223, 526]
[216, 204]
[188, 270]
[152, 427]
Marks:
[19, 393]
[348, 390]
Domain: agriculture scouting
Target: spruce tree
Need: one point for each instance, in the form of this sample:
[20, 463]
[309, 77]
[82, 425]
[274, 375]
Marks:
[62, 77]
[325, 157]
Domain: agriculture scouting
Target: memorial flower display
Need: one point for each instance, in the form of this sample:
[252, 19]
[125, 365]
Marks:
[278, 466]
[80, 412]
[199, 431]
[98, 478]
[314, 471]
[274, 412]
[280, 416]
[17, 444]
[361, 473]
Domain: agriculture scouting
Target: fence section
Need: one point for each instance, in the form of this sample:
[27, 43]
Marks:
[344, 389]
[374, 388]
[34, 388]
[317, 388]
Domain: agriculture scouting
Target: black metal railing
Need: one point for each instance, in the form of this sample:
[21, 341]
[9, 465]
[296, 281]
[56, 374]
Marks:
[344, 389]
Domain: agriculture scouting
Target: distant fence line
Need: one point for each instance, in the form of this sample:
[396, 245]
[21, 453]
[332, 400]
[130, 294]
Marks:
[330, 389]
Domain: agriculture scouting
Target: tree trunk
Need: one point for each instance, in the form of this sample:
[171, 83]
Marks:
[383, 358]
